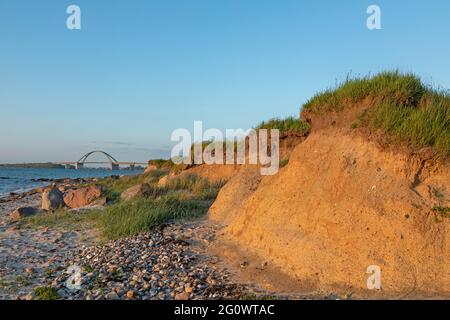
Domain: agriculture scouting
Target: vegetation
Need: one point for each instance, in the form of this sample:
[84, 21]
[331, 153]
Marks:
[47, 165]
[164, 164]
[442, 211]
[288, 124]
[46, 293]
[399, 104]
[184, 197]
[113, 186]
[140, 215]
[284, 162]
[61, 218]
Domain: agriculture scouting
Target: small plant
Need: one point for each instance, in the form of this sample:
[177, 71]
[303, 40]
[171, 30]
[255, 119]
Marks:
[3, 283]
[284, 162]
[132, 217]
[437, 193]
[48, 272]
[46, 293]
[22, 281]
[444, 212]
[87, 268]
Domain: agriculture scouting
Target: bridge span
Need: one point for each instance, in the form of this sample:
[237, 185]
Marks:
[112, 162]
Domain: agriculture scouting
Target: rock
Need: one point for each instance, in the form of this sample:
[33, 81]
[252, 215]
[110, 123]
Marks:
[188, 289]
[163, 181]
[29, 270]
[87, 208]
[182, 296]
[52, 199]
[150, 169]
[130, 294]
[78, 198]
[40, 190]
[99, 202]
[29, 296]
[140, 190]
[22, 212]
[112, 296]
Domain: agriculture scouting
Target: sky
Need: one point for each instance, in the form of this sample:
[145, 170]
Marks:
[139, 69]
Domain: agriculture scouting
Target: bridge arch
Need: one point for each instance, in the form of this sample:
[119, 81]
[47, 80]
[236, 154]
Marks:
[110, 158]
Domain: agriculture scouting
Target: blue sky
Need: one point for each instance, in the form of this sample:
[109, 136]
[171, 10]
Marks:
[139, 69]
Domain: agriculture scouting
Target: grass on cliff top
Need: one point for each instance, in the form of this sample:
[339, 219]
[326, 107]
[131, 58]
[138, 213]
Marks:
[166, 165]
[402, 105]
[291, 124]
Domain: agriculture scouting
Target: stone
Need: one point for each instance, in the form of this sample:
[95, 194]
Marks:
[182, 296]
[52, 199]
[87, 208]
[150, 168]
[29, 270]
[29, 296]
[130, 294]
[140, 190]
[82, 197]
[100, 202]
[163, 181]
[23, 212]
[112, 296]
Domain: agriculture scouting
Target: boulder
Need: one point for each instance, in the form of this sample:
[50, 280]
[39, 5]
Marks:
[87, 208]
[140, 190]
[163, 181]
[82, 197]
[23, 212]
[52, 199]
[150, 168]
[99, 202]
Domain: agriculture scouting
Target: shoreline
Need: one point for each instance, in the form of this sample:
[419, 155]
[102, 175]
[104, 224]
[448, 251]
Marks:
[47, 252]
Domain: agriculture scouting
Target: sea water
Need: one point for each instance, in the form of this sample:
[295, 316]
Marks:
[23, 179]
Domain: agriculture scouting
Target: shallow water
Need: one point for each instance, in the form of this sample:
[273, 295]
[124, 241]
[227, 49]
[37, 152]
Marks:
[21, 179]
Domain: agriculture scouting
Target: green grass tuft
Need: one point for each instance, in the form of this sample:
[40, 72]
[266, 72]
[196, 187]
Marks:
[46, 293]
[442, 211]
[132, 217]
[288, 124]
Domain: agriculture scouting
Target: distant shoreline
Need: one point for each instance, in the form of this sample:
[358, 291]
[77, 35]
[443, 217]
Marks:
[46, 165]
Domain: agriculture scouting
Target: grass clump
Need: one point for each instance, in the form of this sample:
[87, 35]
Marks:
[387, 87]
[444, 212]
[113, 187]
[163, 165]
[399, 104]
[184, 197]
[284, 163]
[46, 293]
[60, 219]
[291, 124]
[132, 217]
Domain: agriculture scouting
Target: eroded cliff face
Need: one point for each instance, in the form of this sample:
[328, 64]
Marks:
[343, 204]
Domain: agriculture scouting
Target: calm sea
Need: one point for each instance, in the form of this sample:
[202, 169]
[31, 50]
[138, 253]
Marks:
[21, 179]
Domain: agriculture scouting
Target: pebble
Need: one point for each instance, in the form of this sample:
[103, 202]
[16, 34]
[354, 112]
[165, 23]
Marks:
[152, 265]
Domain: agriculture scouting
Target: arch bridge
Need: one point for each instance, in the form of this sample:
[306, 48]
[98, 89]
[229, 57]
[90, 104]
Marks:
[110, 161]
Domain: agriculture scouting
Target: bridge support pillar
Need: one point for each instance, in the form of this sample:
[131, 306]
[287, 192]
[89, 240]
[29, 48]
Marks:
[79, 165]
[114, 166]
